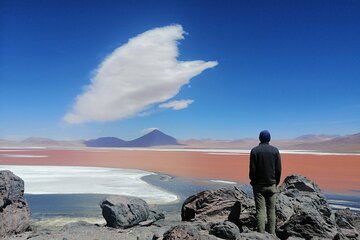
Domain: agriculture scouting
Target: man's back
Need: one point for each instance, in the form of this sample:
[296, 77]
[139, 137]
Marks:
[265, 172]
[265, 165]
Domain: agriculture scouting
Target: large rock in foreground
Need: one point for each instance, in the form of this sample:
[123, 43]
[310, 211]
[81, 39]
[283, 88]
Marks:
[123, 211]
[14, 210]
[348, 223]
[302, 210]
[220, 205]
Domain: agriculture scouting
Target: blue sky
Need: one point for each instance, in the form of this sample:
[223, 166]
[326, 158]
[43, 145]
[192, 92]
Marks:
[291, 67]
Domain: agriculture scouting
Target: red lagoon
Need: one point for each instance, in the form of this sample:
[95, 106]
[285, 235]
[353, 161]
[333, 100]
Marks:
[333, 173]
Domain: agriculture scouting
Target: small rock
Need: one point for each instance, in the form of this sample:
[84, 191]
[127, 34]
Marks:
[257, 236]
[225, 230]
[182, 232]
[146, 223]
[156, 236]
[156, 215]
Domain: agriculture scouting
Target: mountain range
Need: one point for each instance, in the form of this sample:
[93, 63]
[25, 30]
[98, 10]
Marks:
[156, 138]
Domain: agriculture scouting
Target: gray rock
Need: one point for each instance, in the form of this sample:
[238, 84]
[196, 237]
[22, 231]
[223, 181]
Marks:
[302, 210]
[156, 215]
[295, 238]
[181, 232]
[146, 223]
[306, 225]
[124, 212]
[14, 210]
[156, 236]
[220, 205]
[225, 230]
[351, 217]
[257, 236]
[348, 223]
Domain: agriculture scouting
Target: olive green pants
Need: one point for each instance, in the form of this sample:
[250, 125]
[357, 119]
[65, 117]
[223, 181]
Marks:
[265, 199]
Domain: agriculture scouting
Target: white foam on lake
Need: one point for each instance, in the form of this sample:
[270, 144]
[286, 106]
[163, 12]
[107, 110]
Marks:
[89, 180]
[226, 153]
[335, 206]
[222, 181]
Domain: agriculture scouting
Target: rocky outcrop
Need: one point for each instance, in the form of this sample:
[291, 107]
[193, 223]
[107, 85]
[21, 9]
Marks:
[302, 210]
[14, 210]
[220, 205]
[348, 223]
[123, 211]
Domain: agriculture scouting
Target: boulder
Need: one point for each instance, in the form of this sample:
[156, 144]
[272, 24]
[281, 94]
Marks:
[123, 211]
[220, 205]
[302, 210]
[181, 232]
[348, 223]
[225, 230]
[14, 210]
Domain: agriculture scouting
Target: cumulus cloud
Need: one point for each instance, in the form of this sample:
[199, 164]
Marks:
[177, 104]
[136, 75]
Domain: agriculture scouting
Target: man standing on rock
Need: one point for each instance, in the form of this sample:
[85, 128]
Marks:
[265, 172]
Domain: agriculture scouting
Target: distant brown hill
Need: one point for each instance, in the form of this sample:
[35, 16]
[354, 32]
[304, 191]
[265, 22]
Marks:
[41, 142]
[348, 143]
[330, 143]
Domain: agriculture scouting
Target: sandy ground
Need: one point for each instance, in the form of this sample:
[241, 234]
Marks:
[333, 173]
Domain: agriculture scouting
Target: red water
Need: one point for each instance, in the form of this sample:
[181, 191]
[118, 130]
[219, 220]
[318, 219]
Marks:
[335, 173]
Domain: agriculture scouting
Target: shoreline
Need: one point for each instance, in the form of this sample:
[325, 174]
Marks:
[53, 211]
[62, 180]
[183, 187]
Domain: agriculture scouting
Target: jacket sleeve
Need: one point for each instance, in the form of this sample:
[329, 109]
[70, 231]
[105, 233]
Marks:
[278, 168]
[252, 167]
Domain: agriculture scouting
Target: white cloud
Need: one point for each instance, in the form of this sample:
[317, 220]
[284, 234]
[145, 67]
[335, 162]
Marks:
[146, 130]
[136, 75]
[177, 104]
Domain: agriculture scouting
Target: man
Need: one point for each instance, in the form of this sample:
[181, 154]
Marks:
[265, 172]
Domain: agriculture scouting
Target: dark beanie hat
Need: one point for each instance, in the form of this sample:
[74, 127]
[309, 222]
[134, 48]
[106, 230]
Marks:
[264, 136]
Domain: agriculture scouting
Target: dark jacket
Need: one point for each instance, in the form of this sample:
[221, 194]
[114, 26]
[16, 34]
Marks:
[265, 165]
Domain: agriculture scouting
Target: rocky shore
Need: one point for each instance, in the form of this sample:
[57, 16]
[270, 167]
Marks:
[225, 213]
